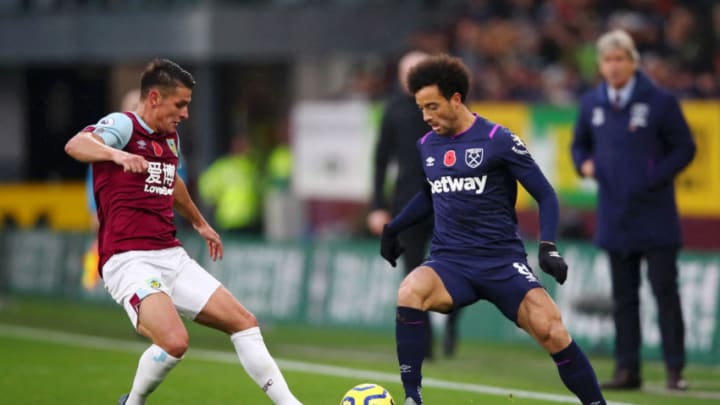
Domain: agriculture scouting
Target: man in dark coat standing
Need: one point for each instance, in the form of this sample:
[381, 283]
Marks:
[631, 137]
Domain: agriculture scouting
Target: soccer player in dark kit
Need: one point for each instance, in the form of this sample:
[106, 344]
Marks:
[144, 267]
[472, 167]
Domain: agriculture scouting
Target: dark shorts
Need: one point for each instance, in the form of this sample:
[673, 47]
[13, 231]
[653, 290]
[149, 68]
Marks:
[502, 282]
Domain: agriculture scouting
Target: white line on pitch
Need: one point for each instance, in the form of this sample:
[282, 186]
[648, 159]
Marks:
[118, 345]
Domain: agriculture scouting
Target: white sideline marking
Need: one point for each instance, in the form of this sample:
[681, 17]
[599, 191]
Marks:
[118, 345]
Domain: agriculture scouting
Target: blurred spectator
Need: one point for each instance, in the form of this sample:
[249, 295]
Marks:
[467, 33]
[536, 34]
[556, 89]
[431, 39]
[543, 51]
[230, 184]
[283, 211]
[706, 86]
[715, 38]
[681, 38]
[658, 69]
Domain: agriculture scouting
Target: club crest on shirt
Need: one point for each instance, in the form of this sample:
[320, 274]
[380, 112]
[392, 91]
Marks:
[473, 157]
[449, 159]
[154, 283]
[638, 115]
[430, 161]
[598, 117]
[173, 148]
[157, 149]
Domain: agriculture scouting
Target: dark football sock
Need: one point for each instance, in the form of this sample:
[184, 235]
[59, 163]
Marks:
[410, 338]
[578, 375]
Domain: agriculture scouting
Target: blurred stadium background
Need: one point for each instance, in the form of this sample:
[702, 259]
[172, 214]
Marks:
[312, 75]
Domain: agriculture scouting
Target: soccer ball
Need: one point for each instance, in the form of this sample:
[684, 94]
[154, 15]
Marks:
[367, 394]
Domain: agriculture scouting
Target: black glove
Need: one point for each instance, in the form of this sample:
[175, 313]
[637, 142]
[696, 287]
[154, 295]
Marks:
[551, 262]
[390, 247]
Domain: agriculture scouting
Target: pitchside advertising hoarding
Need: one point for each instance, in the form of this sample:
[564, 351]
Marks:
[333, 143]
[348, 285]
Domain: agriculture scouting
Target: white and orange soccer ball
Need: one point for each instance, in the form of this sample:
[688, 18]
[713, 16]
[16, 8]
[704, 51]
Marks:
[367, 394]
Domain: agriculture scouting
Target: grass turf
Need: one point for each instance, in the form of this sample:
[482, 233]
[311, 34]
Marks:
[39, 370]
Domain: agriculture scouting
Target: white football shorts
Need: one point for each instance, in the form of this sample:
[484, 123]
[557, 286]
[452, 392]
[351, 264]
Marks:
[131, 276]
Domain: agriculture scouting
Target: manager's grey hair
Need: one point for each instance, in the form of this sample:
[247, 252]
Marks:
[617, 39]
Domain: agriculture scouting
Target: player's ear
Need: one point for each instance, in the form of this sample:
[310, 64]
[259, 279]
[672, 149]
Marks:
[154, 97]
[456, 99]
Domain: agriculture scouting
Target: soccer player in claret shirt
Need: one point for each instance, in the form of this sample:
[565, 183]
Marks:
[472, 167]
[144, 267]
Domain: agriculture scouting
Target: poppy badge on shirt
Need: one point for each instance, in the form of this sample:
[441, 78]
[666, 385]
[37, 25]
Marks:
[449, 159]
[157, 149]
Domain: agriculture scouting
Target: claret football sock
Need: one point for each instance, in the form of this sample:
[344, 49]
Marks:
[153, 366]
[578, 375]
[410, 338]
[261, 367]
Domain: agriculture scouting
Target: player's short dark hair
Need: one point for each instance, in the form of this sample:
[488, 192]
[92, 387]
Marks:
[165, 74]
[449, 73]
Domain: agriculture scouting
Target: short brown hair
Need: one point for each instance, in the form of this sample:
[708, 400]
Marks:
[166, 74]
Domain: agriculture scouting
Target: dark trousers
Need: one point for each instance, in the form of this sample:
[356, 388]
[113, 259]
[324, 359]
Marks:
[662, 273]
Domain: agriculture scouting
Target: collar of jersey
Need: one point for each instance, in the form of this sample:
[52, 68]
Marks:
[142, 123]
[459, 134]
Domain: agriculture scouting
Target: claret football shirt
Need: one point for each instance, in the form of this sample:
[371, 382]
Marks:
[135, 210]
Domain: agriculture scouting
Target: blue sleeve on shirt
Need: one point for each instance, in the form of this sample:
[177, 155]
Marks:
[182, 168]
[525, 170]
[89, 190]
[115, 130]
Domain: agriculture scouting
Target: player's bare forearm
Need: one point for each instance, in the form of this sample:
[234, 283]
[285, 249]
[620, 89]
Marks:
[187, 208]
[183, 203]
[87, 147]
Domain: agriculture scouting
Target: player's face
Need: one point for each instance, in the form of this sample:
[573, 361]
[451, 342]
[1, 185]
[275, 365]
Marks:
[617, 67]
[171, 108]
[440, 113]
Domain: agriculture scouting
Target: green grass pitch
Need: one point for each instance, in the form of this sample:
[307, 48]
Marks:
[59, 352]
